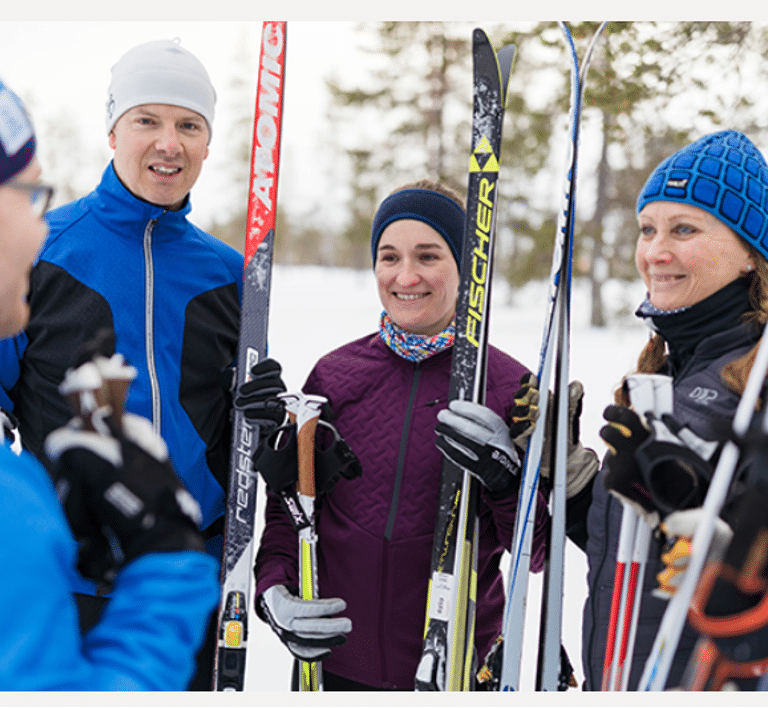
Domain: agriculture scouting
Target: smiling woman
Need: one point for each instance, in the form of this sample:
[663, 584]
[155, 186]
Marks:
[684, 254]
[385, 391]
[701, 252]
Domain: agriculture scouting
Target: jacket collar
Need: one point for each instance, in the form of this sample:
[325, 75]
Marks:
[127, 215]
[742, 336]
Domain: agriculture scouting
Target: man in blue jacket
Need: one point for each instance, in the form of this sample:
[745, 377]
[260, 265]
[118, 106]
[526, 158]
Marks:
[126, 258]
[165, 585]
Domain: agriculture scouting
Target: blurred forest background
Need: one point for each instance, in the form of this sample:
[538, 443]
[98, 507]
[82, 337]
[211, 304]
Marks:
[404, 113]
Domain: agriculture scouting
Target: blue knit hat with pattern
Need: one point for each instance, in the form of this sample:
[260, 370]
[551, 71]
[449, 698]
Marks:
[722, 173]
[17, 137]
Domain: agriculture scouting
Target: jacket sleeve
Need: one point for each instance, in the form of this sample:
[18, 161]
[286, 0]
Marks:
[504, 514]
[151, 628]
[11, 353]
[277, 560]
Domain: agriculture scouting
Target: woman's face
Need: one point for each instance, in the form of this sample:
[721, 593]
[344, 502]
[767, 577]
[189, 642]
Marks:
[684, 254]
[417, 276]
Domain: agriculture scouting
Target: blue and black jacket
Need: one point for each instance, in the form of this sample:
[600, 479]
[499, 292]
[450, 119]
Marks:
[169, 292]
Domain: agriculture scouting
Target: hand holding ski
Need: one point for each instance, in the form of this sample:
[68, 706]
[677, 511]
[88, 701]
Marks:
[229, 660]
[446, 659]
[554, 354]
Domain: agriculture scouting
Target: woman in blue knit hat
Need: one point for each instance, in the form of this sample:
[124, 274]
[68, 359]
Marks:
[375, 532]
[701, 253]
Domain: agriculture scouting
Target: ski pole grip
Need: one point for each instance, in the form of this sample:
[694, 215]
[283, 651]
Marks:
[650, 392]
[304, 410]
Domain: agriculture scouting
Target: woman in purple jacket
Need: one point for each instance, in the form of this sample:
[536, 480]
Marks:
[375, 533]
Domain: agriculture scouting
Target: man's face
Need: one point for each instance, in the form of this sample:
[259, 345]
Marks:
[159, 152]
[22, 232]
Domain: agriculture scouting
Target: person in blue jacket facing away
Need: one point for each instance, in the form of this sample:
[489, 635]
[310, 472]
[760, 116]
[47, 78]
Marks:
[126, 258]
[165, 585]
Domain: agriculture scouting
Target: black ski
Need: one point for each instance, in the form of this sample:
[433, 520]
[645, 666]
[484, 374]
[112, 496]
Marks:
[449, 632]
[229, 661]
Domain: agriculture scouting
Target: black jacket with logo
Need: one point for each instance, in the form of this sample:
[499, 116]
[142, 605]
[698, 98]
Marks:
[705, 404]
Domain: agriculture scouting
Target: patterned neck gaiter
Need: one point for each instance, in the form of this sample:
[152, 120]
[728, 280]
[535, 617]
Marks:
[415, 347]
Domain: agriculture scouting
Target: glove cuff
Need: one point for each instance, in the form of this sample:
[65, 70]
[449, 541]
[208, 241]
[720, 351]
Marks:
[582, 465]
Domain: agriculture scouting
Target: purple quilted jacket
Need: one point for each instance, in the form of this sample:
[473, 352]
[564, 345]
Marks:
[376, 531]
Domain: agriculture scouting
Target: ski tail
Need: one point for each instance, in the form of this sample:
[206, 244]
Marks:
[449, 628]
[239, 521]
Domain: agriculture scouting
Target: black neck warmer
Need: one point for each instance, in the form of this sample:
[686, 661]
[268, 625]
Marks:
[684, 329]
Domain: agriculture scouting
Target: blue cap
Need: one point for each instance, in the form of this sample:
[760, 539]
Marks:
[17, 137]
[433, 208]
[722, 173]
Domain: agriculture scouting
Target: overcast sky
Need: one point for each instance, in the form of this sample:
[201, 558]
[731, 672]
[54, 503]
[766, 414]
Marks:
[60, 54]
[63, 69]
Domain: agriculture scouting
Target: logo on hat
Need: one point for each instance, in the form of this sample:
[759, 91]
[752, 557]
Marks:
[679, 183]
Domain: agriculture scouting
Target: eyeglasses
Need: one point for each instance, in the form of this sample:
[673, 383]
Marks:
[40, 195]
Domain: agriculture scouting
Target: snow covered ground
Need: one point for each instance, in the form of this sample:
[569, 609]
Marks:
[317, 309]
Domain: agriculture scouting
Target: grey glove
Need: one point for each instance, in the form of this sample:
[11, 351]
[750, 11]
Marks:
[581, 462]
[306, 627]
[478, 440]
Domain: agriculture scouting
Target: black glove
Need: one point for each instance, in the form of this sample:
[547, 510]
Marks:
[306, 627]
[525, 411]
[258, 398]
[478, 440]
[624, 434]
[675, 464]
[120, 493]
[276, 459]
[581, 462]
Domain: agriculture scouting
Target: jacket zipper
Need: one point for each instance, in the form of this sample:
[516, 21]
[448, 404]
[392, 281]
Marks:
[149, 323]
[393, 507]
[401, 455]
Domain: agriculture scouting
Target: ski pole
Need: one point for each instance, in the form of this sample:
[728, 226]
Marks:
[637, 575]
[304, 410]
[647, 392]
[659, 662]
[618, 602]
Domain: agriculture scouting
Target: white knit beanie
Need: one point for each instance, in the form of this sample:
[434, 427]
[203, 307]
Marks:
[160, 72]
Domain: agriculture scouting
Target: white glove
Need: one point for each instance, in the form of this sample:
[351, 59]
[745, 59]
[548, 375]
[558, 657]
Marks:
[306, 627]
